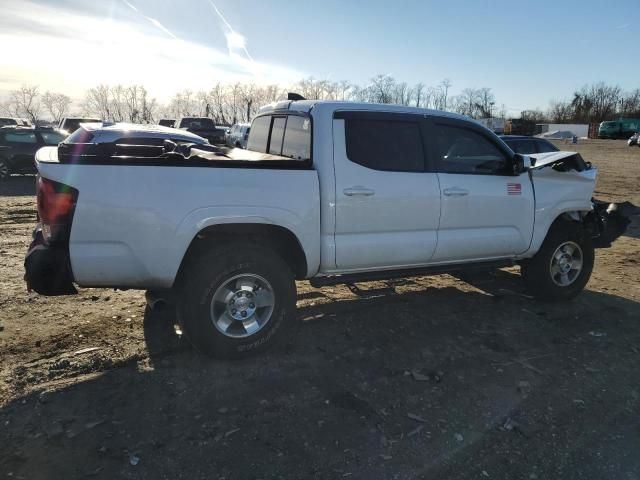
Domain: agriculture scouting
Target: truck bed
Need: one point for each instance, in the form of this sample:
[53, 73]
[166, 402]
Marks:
[206, 156]
[136, 217]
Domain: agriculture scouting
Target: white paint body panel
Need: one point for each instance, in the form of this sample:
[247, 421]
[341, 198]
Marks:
[133, 225]
[486, 222]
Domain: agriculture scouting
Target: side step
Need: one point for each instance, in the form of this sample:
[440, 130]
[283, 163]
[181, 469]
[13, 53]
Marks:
[318, 282]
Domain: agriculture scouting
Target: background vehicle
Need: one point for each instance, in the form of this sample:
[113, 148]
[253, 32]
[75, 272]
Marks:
[71, 124]
[13, 121]
[203, 127]
[167, 122]
[633, 139]
[18, 147]
[226, 232]
[527, 145]
[238, 135]
[621, 128]
[518, 126]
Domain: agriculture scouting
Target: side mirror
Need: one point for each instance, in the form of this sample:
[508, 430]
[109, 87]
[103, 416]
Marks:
[519, 163]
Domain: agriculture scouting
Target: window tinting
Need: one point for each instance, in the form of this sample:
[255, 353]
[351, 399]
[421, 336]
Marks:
[21, 137]
[297, 138]
[385, 144]
[462, 150]
[52, 138]
[277, 134]
[259, 134]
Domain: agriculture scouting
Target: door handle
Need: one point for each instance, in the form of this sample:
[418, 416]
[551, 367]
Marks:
[455, 192]
[359, 191]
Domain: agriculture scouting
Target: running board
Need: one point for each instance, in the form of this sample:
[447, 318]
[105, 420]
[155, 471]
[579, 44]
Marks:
[319, 282]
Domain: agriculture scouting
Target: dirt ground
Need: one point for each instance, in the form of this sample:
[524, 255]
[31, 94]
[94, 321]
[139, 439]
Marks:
[430, 377]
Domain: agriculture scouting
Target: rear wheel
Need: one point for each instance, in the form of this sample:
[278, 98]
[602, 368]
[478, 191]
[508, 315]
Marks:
[562, 267]
[236, 300]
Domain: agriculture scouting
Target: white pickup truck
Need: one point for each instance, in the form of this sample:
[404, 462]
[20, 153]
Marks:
[333, 192]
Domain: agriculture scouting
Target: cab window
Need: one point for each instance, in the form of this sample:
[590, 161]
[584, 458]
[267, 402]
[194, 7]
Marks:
[463, 150]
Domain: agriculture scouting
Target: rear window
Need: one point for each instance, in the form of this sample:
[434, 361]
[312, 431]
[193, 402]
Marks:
[197, 123]
[288, 136]
[277, 134]
[297, 138]
[388, 145]
[259, 134]
[52, 138]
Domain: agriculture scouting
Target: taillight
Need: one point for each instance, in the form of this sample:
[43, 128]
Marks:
[56, 204]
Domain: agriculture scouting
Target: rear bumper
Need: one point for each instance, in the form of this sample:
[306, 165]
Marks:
[48, 269]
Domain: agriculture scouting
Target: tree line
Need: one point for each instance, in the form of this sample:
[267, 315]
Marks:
[239, 102]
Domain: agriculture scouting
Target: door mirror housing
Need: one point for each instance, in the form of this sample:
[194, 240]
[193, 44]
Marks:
[519, 163]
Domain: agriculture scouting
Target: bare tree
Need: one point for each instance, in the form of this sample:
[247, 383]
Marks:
[382, 88]
[24, 102]
[445, 85]
[56, 104]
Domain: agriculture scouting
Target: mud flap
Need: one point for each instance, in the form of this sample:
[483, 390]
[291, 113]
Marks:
[610, 221]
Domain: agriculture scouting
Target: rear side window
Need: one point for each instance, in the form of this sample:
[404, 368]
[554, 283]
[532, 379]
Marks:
[277, 134]
[20, 137]
[463, 150]
[385, 144]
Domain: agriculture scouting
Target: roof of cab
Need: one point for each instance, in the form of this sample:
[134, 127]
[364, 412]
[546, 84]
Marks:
[306, 106]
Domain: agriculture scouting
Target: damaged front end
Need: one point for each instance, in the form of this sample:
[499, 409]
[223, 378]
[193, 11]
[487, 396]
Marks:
[565, 178]
[609, 221]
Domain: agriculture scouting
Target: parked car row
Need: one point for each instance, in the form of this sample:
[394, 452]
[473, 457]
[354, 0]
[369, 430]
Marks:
[14, 122]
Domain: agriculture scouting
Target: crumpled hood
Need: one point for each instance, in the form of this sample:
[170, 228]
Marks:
[568, 160]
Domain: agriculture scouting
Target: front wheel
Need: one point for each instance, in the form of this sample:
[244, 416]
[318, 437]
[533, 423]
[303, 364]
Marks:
[236, 300]
[562, 267]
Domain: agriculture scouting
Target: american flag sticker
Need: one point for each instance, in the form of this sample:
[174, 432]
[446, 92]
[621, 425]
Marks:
[514, 189]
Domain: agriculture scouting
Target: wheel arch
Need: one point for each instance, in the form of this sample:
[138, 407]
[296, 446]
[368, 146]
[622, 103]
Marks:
[542, 228]
[282, 240]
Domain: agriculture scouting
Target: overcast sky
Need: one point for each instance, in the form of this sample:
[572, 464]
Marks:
[527, 52]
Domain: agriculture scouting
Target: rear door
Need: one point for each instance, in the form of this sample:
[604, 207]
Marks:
[486, 212]
[387, 205]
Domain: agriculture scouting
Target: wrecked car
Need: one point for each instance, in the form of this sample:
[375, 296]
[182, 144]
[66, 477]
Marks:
[332, 192]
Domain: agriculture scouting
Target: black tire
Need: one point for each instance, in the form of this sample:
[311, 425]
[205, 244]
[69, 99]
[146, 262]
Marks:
[537, 271]
[5, 169]
[208, 273]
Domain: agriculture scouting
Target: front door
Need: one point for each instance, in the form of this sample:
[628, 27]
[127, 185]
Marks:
[486, 212]
[387, 206]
